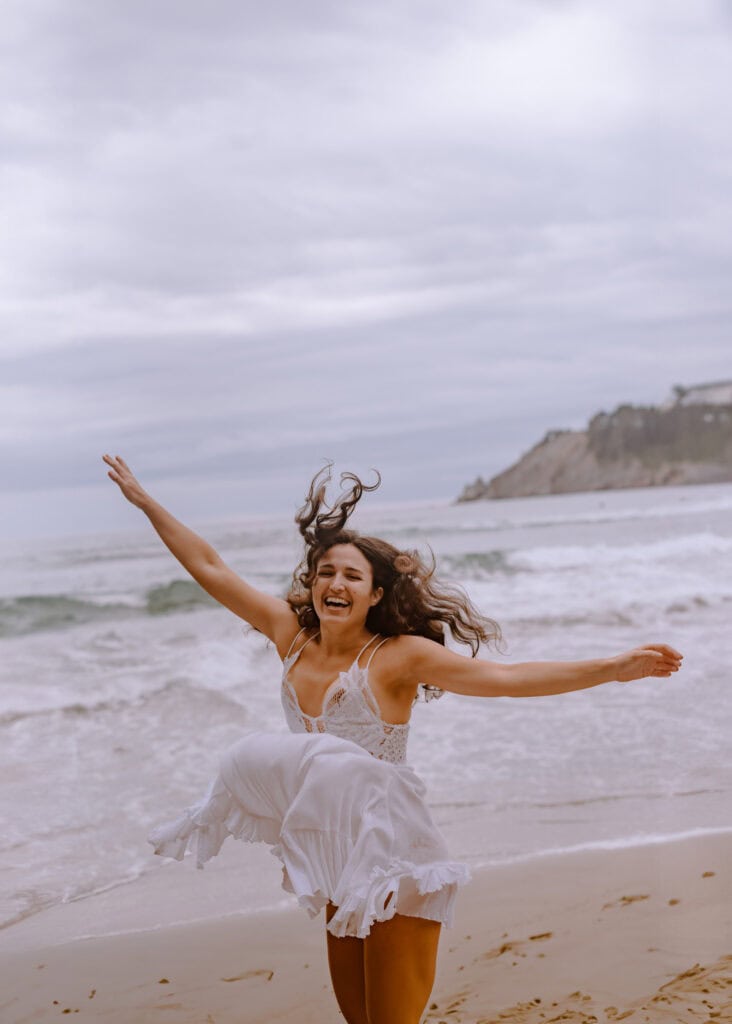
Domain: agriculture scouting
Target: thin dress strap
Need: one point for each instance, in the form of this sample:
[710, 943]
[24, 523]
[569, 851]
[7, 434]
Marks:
[367, 644]
[296, 639]
[371, 658]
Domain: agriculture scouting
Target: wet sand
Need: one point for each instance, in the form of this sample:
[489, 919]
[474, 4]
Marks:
[639, 934]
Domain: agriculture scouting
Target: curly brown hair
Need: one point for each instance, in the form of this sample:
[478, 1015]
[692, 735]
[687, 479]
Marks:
[414, 602]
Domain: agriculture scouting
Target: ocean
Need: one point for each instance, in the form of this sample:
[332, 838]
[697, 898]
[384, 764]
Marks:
[121, 681]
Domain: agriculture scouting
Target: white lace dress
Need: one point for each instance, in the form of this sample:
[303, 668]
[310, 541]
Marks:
[343, 811]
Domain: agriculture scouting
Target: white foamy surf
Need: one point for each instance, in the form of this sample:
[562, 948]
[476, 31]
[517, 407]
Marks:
[120, 682]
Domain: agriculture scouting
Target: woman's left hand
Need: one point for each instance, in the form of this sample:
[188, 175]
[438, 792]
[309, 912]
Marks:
[651, 660]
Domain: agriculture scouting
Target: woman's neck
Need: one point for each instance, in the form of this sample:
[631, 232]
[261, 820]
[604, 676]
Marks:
[338, 642]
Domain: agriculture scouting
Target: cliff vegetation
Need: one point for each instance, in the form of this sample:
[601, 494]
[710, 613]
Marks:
[682, 442]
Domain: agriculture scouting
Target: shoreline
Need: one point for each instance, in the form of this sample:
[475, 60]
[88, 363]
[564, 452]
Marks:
[595, 933]
[11, 931]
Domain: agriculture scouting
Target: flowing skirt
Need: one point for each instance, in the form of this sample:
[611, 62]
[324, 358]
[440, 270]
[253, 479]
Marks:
[345, 826]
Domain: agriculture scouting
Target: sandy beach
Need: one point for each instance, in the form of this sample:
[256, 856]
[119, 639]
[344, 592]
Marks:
[639, 933]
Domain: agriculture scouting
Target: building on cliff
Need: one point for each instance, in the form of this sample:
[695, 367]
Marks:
[718, 392]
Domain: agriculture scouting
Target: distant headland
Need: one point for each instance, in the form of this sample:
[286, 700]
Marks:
[685, 440]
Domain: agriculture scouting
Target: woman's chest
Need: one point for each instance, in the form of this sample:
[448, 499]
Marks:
[315, 697]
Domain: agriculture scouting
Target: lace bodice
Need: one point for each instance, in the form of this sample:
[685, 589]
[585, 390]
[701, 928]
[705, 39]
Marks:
[350, 710]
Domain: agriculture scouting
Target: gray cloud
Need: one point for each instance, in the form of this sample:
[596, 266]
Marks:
[239, 234]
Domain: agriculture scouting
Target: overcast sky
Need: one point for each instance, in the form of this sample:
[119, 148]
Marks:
[240, 238]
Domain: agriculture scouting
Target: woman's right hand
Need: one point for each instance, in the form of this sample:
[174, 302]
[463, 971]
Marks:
[122, 475]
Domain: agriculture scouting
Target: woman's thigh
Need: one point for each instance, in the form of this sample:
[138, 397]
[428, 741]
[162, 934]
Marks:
[345, 960]
[400, 959]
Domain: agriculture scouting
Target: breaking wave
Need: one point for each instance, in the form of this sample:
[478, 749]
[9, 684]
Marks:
[38, 613]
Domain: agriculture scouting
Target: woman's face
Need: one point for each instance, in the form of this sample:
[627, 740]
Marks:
[343, 587]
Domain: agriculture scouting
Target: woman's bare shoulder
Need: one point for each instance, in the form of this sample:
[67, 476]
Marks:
[291, 635]
[407, 655]
[408, 644]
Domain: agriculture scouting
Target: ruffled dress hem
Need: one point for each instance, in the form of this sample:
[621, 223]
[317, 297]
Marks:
[316, 865]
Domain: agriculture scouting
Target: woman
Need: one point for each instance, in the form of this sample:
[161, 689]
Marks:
[360, 634]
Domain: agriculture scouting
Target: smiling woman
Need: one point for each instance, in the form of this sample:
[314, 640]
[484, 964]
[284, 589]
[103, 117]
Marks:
[404, 599]
[361, 630]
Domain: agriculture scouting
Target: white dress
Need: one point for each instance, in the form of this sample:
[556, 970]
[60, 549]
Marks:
[344, 814]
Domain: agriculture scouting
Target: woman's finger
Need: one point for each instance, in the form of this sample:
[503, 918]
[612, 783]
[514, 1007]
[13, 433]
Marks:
[668, 667]
[669, 650]
[665, 650]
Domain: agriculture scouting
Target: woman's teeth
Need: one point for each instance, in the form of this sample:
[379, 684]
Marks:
[333, 602]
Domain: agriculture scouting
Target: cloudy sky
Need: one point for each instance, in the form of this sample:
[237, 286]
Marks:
[241, 238]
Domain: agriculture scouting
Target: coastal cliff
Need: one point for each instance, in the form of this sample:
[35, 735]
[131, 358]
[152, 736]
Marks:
[686, 440]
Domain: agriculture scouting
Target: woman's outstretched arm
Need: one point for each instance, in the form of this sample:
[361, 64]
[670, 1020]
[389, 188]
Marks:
[271, 615]
[476, 677]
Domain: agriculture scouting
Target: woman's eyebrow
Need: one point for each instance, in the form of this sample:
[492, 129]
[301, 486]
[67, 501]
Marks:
[348, 568]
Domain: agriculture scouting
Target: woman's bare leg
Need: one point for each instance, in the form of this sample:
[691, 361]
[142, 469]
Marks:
[400, 959]
[345, 960]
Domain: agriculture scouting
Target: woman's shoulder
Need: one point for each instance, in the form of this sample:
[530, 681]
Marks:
[403, 655]
[409, 644]
[402, 667]
[292, 636]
